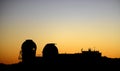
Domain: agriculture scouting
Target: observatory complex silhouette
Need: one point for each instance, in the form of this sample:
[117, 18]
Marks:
[50, 55]
[52, 60]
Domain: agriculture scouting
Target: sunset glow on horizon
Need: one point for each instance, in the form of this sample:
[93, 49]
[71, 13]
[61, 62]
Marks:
[71, 24]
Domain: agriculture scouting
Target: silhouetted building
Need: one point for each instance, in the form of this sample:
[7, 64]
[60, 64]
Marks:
[28, 51]
[91, 54]
[50, 51]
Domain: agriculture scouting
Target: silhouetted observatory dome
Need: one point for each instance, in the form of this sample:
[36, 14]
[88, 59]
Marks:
[50, 50]
[28, 50]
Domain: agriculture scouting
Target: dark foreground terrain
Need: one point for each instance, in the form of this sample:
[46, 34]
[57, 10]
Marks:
[69, 64]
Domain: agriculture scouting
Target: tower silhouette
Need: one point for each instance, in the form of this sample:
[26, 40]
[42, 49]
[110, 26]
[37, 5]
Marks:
[28, 51]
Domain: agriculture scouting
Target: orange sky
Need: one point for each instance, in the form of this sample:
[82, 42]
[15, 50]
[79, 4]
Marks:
[72, 25]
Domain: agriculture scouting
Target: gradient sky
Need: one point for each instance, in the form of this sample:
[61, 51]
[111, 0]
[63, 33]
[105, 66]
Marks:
[71, 24]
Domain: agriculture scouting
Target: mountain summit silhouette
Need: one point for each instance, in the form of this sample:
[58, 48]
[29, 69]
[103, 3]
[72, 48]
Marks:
[52, 60]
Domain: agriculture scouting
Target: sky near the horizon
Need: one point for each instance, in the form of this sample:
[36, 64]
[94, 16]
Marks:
[71, 24]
